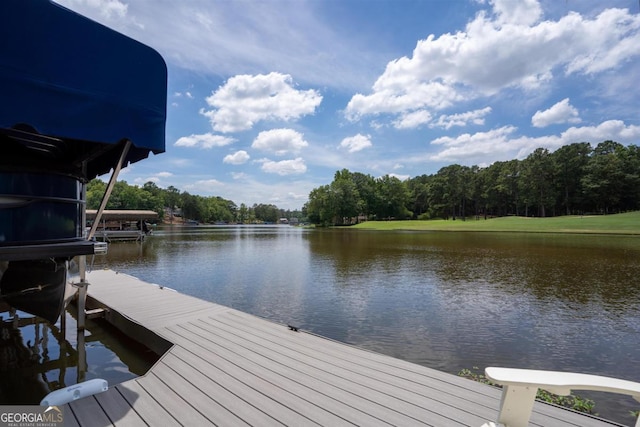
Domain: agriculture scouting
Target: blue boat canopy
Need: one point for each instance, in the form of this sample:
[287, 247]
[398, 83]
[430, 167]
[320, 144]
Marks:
[72, 91]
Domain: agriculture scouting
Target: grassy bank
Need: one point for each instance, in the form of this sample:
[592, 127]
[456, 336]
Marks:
[626, 223]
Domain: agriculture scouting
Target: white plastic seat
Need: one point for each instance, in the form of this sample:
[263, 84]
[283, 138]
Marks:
[520, 387]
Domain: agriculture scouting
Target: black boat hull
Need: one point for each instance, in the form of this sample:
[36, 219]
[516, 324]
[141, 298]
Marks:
[36, 287]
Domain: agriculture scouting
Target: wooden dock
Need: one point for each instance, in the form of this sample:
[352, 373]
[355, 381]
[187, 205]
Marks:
[228, 368]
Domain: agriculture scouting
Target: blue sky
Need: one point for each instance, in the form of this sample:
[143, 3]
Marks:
[267, 99]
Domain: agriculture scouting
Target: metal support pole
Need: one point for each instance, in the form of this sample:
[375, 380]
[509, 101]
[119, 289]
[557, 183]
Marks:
[82, 262]
[107, 193]
[82, 356]
[82, 292]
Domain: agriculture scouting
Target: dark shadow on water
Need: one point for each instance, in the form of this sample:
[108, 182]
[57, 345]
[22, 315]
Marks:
[37, 357]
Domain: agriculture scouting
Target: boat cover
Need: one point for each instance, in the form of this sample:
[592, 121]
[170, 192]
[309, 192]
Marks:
[65, 76]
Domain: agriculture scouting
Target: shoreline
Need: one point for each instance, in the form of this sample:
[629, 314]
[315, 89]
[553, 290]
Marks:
[627, 224]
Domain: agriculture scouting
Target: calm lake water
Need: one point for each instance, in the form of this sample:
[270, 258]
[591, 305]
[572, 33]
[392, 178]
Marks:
[445, 300]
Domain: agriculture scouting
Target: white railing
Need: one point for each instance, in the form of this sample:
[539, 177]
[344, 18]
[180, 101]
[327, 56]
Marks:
[520, 387]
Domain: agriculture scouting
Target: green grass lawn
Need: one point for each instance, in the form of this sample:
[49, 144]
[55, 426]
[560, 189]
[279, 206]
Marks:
[626, 223]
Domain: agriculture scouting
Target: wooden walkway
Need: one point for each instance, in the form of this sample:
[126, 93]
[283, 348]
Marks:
[229, 368]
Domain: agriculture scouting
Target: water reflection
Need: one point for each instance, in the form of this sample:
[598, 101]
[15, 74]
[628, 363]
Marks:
[445, 300]
[37, 357]
[19, 363]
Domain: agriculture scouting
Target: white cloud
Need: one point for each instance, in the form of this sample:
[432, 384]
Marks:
[356, 143]
[495, 53]
[413, 119]
[522, 12]
[400, 95]
[614, 130]
[501, 144]
[472, 146]
[562, 112]
[417, 118]
[475, 117]
[164, 174]
[181, 94]
[207, 140]
[204, 186]
[239, 175]
[237, 158]
[284, 167]
[603, 43]
[280, 141]
[245, 100]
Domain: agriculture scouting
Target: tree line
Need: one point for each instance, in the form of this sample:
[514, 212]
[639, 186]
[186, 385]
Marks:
[574, 179]
[172, 201]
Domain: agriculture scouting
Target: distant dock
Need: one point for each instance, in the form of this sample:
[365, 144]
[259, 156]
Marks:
[122, 225]
[228, 368]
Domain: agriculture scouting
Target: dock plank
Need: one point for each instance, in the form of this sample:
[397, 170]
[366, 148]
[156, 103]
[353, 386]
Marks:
[227, 367]
[145, 405]
[313, 361]
[444, 384]
[442, 388]
[88, 412]
[70, 419]
[119, 411]
[206, 380]
[196, 398]
[331, 388]
[172, 400]
[292, 395]
[280, 403]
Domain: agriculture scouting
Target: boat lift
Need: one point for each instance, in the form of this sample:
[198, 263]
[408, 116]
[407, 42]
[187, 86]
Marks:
[77, 100]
